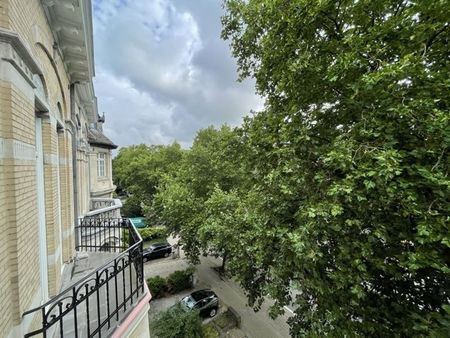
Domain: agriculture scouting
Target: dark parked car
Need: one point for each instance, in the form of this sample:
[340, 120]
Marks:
[156, 250]
[205, 301]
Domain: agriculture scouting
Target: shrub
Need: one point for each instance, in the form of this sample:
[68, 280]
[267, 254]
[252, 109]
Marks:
[209, 331]
[226, 320]
[177, 323]
[180, 280]
[146, 234]
[157, 286]
[125, 237]
[151, 233]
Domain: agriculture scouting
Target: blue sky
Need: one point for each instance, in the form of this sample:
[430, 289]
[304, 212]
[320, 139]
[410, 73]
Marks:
[162, 71]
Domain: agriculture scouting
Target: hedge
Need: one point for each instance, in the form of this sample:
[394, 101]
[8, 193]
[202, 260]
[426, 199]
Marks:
[180, 280]
[175, 282]
[151, 233]
[146, 233]
[157, 285]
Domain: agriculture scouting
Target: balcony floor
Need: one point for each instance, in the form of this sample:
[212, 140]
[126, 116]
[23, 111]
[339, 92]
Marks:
[100, 303]
[84, 264]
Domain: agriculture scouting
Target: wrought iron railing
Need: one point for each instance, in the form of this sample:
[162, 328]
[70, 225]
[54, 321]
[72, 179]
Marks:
[96, 304]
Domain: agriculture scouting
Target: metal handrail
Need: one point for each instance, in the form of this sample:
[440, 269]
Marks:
[69, 299]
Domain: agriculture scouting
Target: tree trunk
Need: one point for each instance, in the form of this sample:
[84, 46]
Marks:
[224, 260]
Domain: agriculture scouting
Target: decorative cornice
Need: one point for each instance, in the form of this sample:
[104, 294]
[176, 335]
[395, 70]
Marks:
[71, 25]
[16, 52]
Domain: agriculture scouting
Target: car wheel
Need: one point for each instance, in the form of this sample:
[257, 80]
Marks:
[213, 312]
[166, 254]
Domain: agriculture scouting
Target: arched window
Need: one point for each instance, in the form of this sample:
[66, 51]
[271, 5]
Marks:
[41, 88]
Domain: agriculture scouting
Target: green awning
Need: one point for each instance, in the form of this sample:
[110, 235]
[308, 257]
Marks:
[138, 222]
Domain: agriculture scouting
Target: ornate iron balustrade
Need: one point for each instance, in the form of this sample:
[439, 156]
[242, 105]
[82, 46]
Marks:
[95, 305]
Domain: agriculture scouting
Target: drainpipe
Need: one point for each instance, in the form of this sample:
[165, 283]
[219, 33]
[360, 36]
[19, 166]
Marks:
[74, 158]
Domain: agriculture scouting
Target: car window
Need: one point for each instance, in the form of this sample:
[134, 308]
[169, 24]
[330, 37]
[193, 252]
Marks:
[188, 302]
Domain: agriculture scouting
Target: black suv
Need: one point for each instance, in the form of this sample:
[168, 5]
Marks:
[156, 250]
[205, 301]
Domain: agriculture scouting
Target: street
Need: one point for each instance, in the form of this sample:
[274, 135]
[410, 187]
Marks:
[253, 324]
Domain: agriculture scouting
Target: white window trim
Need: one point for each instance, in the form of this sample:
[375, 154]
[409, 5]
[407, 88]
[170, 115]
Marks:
[101, 165]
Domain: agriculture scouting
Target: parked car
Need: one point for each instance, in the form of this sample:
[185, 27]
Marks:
[157, 250]
[205, 301]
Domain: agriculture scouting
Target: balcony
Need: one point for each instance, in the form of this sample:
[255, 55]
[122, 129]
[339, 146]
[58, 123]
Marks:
[101, 287]
[104, 208]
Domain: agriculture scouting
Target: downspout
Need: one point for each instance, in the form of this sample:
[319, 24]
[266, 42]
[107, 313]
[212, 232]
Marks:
[74, 159]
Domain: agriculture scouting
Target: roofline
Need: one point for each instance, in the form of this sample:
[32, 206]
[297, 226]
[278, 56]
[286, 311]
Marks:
[103, 145]
[86, 10]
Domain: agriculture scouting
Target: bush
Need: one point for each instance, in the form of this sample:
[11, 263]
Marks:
[146, 234]
[132, 207]
[209, 331]
[226, 320]
[177, 323]
[180, 280]
[157, 286]
[151, 233]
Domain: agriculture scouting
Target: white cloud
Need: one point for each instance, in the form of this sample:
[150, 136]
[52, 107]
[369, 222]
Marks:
[163, 73]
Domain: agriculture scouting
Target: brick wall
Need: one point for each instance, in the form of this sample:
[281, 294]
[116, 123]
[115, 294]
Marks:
[4, 13]
[19, 256]
[19, 243]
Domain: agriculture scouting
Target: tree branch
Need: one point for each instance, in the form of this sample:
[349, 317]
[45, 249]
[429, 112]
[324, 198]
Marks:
[433, 37]
[439, 160]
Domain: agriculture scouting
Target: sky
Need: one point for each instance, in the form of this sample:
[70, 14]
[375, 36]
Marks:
[162, 71]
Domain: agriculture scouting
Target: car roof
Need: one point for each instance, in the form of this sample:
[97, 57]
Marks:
[201, 294]
[154, 245]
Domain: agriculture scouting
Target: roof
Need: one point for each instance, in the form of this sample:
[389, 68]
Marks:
[71, 23]
[97, 138]
[201, 294]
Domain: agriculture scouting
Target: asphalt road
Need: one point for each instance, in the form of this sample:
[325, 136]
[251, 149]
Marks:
[253, 324]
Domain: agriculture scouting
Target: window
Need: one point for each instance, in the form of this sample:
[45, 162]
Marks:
[101, 165]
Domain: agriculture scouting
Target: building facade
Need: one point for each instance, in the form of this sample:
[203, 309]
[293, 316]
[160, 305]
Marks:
[55, 173]
[100, 161]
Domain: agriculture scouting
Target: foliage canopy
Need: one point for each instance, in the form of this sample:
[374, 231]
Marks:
[177, 323]
[350, 158]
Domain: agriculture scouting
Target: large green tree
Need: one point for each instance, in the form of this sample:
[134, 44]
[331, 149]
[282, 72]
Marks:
[349, 161]
[210, 166]
[138, 169]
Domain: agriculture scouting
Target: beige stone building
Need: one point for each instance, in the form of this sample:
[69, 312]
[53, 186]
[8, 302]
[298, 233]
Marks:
[100, 160]
[69, 266]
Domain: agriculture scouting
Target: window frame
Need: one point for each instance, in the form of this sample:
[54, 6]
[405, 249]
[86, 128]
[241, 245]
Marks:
[101, 165]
